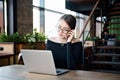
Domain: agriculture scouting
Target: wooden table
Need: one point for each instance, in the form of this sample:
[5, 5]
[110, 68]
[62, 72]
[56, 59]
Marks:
[6, 55]
[17, 72]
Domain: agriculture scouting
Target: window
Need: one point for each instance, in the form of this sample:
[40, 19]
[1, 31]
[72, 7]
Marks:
[51, 19]
[36, 3]
[36, 19]
[51, 14]
[1, 16]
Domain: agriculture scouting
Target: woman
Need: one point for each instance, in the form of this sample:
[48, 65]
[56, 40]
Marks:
[67, 50]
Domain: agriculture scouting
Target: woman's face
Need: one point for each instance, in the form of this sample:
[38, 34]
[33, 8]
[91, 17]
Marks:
[62, 29]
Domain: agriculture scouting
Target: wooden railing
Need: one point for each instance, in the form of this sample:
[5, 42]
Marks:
[85, 25]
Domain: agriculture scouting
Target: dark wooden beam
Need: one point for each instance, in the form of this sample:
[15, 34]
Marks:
[82, 1]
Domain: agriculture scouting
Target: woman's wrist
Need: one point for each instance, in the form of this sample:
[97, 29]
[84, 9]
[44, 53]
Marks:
[69, 40]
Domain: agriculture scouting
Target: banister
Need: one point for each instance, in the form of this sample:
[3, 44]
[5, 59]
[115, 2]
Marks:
[89, 17]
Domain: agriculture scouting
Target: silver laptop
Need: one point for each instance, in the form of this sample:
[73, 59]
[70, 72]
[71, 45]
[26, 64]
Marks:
[40, 61]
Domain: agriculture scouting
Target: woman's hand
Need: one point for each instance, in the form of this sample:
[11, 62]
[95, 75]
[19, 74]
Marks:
[70, 36]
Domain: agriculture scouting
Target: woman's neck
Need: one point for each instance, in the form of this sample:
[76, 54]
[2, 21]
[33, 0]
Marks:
[62, 40]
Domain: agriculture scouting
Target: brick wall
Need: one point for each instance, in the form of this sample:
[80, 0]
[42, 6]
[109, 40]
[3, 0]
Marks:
[24, 16]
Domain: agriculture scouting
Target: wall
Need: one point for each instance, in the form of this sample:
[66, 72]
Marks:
[1, 21]
[24, 16]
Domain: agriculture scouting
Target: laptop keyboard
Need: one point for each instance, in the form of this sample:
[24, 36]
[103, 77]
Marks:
[58, 71]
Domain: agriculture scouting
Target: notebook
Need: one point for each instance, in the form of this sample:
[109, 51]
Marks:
[40, 61]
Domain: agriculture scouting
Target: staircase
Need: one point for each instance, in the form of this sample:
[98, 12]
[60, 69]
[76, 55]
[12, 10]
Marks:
[107, 57]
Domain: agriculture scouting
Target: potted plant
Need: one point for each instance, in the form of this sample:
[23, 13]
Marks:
[90, 41]
[29, 37]
[33, 40]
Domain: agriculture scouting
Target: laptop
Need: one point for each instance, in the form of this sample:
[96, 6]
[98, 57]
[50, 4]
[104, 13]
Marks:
[40, 61]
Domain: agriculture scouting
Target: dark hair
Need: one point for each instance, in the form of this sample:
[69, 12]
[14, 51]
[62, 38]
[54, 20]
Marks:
[70, 20]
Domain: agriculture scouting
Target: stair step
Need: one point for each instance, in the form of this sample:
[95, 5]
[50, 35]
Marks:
[114, 13]
[115, 17]
[113, 23]
[110, 40]
[115, 8]
[113, 28]
[116, 34]
[117, 4]
[106, 54]
[106, 62]
[109, 47]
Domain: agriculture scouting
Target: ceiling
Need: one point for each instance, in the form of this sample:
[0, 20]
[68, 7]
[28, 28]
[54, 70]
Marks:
[86, 6]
